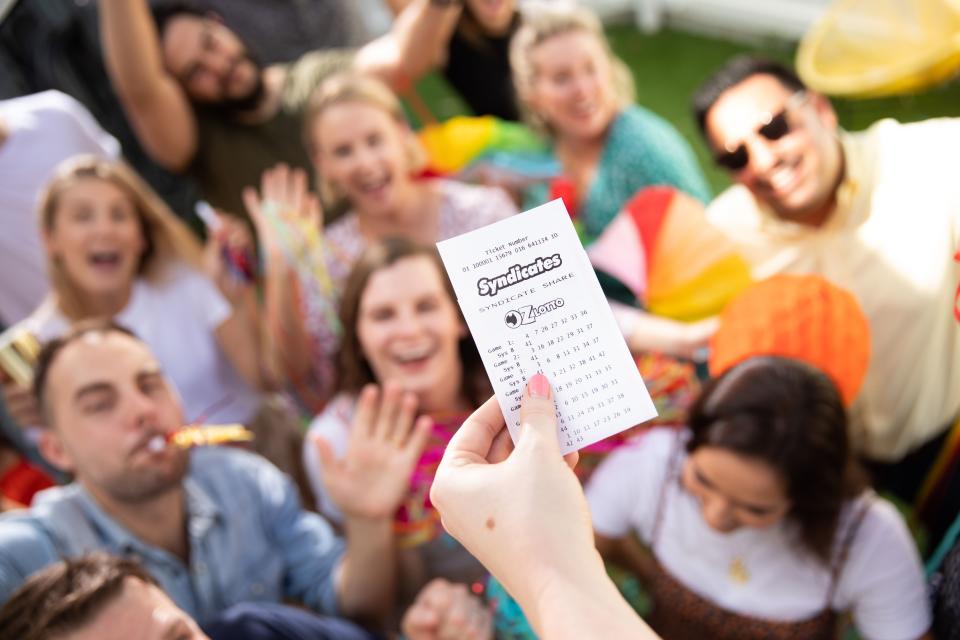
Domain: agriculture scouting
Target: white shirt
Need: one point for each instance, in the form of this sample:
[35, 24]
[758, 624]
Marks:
[176, 317]
[44, 129]
[881, 582]
[891, 243]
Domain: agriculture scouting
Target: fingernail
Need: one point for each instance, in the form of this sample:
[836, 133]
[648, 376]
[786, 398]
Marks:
[538, 386]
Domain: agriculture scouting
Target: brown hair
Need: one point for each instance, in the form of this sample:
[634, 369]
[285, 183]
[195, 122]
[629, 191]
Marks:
[66, 595]
[50, 350]
[354, 370]
[545, 23]
[353, 87]
[790, 416]
[167, 238]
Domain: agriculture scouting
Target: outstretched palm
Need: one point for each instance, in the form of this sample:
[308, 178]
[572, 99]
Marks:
[386, 441]
[286, 215]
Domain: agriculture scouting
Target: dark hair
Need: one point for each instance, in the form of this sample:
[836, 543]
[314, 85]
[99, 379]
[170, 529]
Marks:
[735, 71]
[790, 416]
[353, 369]
[167, 11]
[66, 595]
[48, 354]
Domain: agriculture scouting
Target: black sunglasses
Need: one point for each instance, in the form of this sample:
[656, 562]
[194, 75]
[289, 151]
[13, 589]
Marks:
[735, 160]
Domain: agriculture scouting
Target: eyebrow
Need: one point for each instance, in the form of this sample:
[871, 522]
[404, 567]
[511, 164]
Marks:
[103, 386]
[745, 505]
[147, 374]
[91, 389]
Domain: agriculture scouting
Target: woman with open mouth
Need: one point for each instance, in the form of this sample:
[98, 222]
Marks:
[114, 250]
[367, 160]
[406, 352]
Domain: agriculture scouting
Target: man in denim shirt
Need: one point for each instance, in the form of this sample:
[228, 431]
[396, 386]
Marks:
[215, 527]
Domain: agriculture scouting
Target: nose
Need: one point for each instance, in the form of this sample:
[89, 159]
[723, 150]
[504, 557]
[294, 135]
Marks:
[103, 223]
[408, 325]
[717, 513]
[143, 410]
[582, 85]
[763, 156]
[217, 62]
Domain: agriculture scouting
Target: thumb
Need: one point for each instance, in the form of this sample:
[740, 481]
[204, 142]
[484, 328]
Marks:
[324, 452]
[538, 415]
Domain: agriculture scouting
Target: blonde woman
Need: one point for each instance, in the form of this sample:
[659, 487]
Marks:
[368, 159]
[114, 250]
[574, 89]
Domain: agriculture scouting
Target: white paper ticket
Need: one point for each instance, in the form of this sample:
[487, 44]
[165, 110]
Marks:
[533, 304]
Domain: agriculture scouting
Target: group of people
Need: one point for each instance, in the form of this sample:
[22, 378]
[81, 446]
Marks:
[759, 504]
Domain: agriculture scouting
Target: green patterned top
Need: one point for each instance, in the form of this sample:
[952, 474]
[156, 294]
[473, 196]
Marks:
[642, 149]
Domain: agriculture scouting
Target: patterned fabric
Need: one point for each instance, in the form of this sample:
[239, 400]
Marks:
[642, 149]
[417, 521]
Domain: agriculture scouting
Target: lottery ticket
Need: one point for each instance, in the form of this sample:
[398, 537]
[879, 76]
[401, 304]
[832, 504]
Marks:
[533, 304]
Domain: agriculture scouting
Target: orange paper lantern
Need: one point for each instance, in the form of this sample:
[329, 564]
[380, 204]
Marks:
[796, 316]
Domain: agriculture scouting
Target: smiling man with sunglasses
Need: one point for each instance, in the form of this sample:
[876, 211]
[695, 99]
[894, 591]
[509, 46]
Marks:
[878, 213]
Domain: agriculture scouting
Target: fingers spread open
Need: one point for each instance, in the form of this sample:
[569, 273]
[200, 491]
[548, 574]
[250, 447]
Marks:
[365, 415]
[399, 432]
[296, 189]
[251, 200]
[388, 412]
[419, 436]
[328, 459]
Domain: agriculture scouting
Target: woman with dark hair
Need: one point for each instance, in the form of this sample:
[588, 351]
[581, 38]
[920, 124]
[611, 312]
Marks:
[403, 338]
[757, 520]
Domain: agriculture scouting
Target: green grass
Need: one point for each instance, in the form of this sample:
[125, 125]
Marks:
[669, 65]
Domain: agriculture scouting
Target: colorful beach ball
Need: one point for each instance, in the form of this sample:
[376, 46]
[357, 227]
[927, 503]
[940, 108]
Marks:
[796, 316]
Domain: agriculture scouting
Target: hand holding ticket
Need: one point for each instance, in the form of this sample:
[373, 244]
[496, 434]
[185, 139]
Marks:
[533, 304]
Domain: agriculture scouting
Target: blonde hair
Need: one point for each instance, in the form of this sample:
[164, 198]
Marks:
[352, 87]
[545, 23]
[166, 238]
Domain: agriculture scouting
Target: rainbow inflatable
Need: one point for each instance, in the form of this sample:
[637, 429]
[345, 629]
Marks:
[468, 144]
[661, 248]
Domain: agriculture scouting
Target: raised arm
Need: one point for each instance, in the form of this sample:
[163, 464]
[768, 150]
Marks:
[414, 46]
[368, 485]
[153, 100]
[289, 223]
[240, 336]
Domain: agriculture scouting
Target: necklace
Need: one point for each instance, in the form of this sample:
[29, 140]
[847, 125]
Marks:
[737, 572]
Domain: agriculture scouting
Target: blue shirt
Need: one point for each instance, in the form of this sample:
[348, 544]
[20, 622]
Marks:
[249, 538]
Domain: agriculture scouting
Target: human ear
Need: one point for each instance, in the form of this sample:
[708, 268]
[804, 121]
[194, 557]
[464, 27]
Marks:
[53, 451]
[824, 110]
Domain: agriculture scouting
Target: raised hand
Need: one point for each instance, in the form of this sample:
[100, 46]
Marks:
[287, 217]
[229, 257]
[447, 611]
[386, 440]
